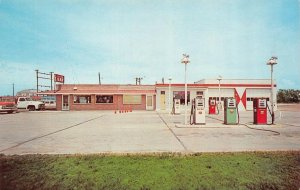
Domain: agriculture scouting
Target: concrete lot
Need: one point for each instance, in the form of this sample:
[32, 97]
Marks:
[52, 132]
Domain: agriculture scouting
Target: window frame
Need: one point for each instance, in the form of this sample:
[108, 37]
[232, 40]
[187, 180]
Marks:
[79, 100]
[104, 95]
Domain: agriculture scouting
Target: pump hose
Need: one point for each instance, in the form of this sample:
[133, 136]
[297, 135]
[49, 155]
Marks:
[191, 115]
[191, 122]
[269, 109]
[268, 130]
[270, 113]
[246, 125]
[173, 109]
[218, 109]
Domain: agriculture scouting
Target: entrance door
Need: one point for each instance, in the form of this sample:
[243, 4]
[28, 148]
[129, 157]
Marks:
[65, 103]
[149, 102]
[162, 100]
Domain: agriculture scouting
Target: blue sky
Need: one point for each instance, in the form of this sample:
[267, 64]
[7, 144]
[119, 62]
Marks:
[146, 38]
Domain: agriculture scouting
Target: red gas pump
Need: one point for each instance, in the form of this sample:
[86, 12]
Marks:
[212, 106]
[260, 111]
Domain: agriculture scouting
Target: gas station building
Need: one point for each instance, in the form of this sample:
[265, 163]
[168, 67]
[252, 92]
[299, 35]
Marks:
[243, 90]
[159, 96]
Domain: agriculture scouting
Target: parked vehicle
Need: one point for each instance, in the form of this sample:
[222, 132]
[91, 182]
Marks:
[49, 105]
[27, 103]
[8, 107]
[50, 102]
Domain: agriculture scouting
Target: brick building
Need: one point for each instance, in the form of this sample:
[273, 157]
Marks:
[103, 97]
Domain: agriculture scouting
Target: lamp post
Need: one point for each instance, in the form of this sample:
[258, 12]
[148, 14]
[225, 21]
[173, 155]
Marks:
[272, 61]
[185, 60]
[219, 103]
[169, 105]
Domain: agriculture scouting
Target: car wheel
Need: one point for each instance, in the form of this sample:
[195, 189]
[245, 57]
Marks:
[31, 108]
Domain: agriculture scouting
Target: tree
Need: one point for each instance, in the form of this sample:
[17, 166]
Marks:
[288, 96]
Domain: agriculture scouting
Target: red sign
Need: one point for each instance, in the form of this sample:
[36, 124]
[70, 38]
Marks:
[59, 78]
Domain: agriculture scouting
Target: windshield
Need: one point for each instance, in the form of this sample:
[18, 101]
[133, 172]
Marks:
[28, 99]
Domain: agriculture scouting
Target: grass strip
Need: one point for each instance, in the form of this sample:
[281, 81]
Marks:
[244, 170]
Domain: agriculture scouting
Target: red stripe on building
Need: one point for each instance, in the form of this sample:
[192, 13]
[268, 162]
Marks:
[216, 85]
[244, 98]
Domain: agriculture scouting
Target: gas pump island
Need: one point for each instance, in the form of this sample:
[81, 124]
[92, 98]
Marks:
[260, 111]
[198, 111]
[231, 114]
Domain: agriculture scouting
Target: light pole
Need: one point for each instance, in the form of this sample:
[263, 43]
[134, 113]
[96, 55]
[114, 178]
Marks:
[169, 105]
[272, 61]
[219, 103]
[185, 60]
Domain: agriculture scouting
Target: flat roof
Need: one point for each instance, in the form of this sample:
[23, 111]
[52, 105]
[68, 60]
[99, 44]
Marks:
[101, 89]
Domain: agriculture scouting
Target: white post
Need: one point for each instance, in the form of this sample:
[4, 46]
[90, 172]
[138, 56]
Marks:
[185, 60]
[272, 103]
[169, 105]
[185, 97]
[272, 61]
[219, 102]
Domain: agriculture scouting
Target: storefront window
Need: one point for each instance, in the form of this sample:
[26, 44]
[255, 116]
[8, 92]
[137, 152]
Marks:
[82, 99]
[104, 99]
[180, 95]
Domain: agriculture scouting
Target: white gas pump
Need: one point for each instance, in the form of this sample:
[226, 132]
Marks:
[176, 106]
[198, 111]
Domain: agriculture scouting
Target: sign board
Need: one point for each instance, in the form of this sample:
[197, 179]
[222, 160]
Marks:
[59, 78]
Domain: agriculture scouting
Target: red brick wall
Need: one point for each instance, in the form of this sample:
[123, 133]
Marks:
[116, 105]
[58, 102]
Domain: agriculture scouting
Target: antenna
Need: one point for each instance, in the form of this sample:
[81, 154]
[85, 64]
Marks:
[138, 80]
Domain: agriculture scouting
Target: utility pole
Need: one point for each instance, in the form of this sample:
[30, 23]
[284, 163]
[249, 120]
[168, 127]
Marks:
[37, 80]
[51, 78]
[13, 90]
[46, 76]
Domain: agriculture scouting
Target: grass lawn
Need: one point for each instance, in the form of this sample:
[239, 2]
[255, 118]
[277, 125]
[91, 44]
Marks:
[251, 170]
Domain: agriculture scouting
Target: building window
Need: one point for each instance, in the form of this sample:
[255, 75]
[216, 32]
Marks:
[180, 95]
[162, 92]
[104, 99]
[132, 99]
[199, 93]
[82, 99]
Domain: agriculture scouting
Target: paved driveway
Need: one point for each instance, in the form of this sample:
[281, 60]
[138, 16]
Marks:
[145, 131]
